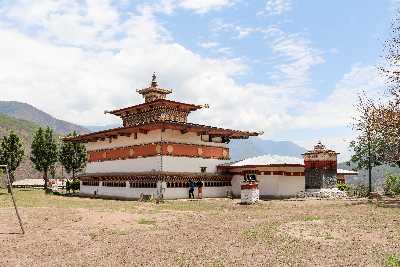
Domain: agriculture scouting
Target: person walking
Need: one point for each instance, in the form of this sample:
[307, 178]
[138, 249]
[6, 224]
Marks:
[191, 189]
[200, 189]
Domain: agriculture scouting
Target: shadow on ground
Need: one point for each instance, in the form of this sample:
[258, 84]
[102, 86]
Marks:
[389, 203]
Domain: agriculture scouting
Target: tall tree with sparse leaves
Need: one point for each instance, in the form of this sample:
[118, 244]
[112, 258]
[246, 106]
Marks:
[44, 153]
[378, 121]
[389, 66]
[73, 156]
[11, 153]
[369, 144]
[388, 118]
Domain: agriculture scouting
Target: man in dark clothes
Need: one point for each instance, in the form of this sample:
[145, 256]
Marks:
[200, 189]
[191, 189]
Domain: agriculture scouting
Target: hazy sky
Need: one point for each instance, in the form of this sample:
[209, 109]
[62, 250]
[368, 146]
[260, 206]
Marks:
[291, 68]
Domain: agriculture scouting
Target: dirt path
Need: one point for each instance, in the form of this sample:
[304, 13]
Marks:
[210, 233]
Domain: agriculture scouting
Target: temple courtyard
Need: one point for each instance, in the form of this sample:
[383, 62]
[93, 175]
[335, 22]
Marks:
[73, 231]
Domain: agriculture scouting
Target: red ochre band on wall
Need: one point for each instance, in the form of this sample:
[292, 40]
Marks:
[328, 164]
[278, 173]
[249, 186]
[154, 149]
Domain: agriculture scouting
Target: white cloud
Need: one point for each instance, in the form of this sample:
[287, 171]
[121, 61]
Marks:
[197, 6]
[208, 45]
[90, 77]
[66, 22]
[338, 108]
[83, 82]
[240, 31]
[276, 7]
[330, 118]
[298, 57]
[203, 6]
[68, 60]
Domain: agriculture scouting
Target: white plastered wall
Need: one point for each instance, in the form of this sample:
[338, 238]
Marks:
[273, 185]
[152, 137]
[134, 193]
[175, 136]
[119, 192]
[208, 192]
[186, 164]
[127, 165]
[122, 141]
[169, 163]
[236, 181]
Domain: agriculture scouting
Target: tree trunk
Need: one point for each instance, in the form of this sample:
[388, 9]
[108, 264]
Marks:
[10, 182]
[12, 178]
[45, 179]
[369, 166]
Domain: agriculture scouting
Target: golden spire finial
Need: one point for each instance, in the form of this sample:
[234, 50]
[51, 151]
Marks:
[153, 80]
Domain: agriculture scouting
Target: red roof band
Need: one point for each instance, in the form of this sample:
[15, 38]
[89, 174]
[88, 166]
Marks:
[144, 128]
[156, 103]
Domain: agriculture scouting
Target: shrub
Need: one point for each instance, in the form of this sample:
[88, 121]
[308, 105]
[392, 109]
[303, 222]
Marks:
[358, 191]
[343, 187]
[147, 222]
[75, 185]
[392, 184]
[393, 261]
[311, 218]
[68, 186]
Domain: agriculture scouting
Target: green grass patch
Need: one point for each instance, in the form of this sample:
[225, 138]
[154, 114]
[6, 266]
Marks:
[328, 236]
[37, 198]
[250, 233]
[119, 232]
[218, 262]
[309, 218]
[264, 232]
[146, 221]
[393, 261]
[205, 205]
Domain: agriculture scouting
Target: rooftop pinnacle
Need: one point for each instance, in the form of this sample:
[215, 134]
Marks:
[153, 92]
[153, 80]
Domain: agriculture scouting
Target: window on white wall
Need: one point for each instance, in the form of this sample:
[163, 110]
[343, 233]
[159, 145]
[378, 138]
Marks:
[250, 177]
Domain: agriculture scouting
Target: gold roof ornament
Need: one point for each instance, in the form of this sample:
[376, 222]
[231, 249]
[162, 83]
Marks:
[154, 80]
[153, 92]
[319, 146]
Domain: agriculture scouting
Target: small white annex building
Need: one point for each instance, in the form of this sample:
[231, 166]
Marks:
[277, 176]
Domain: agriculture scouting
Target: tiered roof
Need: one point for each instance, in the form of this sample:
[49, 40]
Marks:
[155, 103]
[320, 148]
[159, 113]
[144, 128]
[154, 92]
[270, 160]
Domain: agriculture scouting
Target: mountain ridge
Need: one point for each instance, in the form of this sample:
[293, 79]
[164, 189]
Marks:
[28, 112]
[25, 130]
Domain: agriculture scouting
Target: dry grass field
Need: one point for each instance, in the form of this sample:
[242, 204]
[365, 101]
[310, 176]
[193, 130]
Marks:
[72, 231]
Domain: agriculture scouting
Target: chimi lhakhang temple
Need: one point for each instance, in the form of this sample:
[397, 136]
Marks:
[157, 152]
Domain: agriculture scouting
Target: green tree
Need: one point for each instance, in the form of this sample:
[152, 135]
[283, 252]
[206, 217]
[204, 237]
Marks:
[369, 144]
[73, 156]
[75, 185]
[392, 184]
[11, 153]
[44, 153]
[388, 118]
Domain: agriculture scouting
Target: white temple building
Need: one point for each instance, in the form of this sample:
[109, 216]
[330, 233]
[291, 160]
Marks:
[157, 152]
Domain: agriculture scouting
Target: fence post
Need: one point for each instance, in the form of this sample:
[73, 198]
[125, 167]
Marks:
[9, 185]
